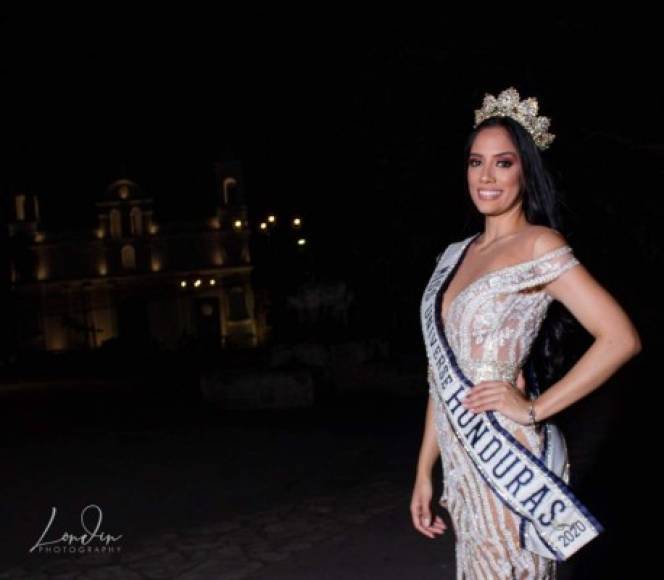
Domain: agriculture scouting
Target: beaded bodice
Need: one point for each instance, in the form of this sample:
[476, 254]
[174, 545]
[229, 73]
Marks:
[491, 324]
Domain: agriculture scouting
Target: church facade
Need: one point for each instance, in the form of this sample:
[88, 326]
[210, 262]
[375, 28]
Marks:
[133, 279]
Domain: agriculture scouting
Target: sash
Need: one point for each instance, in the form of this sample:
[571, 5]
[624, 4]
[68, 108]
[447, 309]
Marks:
[554, 523]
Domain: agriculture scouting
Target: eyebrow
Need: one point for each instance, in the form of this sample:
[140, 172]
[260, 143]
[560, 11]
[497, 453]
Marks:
[497, 154]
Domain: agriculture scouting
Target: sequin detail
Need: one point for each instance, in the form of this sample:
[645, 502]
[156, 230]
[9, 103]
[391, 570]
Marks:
[491, 325]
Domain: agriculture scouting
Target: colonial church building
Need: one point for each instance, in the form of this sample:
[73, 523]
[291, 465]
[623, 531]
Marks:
[133, 278]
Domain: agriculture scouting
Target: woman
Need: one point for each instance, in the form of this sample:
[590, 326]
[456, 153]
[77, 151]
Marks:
[504, 464]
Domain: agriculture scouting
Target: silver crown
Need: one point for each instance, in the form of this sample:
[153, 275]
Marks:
[508, 104]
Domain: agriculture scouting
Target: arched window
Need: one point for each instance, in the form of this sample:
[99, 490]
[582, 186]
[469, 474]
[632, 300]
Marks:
[128, 257]
[116, 223]
[229, 187]
[136, 220]
[20, 208]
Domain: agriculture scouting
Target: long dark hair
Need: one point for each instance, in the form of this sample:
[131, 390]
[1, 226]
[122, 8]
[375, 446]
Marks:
[542, 205]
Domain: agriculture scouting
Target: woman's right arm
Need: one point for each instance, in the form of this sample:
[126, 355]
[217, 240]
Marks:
[420, 505]
[429, 452]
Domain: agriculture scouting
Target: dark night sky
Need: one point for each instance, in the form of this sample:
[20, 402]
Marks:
[349, 119]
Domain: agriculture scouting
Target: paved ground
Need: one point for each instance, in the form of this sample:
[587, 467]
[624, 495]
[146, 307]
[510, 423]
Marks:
[198, 493]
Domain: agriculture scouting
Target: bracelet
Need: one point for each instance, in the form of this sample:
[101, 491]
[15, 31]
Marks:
[531, 414]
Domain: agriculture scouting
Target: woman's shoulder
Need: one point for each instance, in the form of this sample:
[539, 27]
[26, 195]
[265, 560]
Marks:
[545, 239]
[533, 241]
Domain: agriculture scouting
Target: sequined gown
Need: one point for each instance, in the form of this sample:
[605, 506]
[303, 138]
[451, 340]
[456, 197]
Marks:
[490, 326]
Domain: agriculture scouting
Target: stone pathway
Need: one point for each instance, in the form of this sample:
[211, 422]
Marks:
[298, 496]
[232, 549]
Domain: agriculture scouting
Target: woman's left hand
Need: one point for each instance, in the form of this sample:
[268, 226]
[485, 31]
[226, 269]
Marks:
[499, 396]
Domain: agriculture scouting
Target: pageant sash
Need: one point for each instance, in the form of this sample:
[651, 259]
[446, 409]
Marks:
[554, 522]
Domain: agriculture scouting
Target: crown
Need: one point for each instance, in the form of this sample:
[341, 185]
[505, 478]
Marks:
[508, 104]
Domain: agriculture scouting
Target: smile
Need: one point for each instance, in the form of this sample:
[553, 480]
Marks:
[489, 193]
